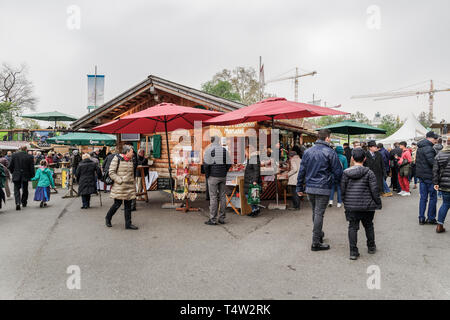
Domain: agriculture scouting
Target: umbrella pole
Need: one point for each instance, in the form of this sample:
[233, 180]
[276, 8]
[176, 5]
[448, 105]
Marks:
[276, 172]
[168, 155]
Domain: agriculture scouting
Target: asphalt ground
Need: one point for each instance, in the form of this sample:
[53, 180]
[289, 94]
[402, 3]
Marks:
[175, 255]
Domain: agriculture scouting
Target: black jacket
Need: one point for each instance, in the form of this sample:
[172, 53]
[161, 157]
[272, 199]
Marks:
[21, 166]
[141, 161]
[252, 172]
[108, 160]
[376, 164]
[441, 170]
[396, 151]
[76, 159]
[320, 166]
[425, 160]
[348, 154]
[359, 189]
[86, 176]
[216, 167]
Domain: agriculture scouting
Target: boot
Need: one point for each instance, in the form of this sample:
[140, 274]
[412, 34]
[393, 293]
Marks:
[440, 228]
[354, 256]
[320, 247]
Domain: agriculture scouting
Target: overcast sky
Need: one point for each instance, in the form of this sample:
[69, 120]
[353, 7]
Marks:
[189, 41]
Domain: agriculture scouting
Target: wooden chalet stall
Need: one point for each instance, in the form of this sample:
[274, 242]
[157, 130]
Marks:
[155, 90]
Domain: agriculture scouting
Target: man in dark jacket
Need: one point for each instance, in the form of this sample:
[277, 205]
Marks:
[320, 166]
[252, 174]
[347, 153]
[441, 181]
[142, 160]
[75, 160]
[386, 192]
[87, 174]
[374, 161]
[217, 162]
[21, 167]
[394, 167]
[361, 199]
[112, 153]
[424, 171]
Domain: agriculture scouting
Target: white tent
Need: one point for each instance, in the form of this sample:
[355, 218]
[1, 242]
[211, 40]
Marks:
[411, 130]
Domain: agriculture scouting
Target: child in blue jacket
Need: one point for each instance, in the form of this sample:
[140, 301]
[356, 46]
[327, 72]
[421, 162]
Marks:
[44, 176]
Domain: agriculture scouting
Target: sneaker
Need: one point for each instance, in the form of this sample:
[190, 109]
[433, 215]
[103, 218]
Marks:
[401, 193]
[372, 250]
[222, 221]
[406, 194]
[433, 221]
[210, 223]
[330, 203]
[339, 205]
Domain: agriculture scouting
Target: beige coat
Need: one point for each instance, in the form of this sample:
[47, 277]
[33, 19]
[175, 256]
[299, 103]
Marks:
[124, 187]
[293, 173]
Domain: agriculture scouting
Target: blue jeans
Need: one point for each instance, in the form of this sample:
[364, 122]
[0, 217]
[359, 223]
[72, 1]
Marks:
[336, 187]
[385, 187]
[426, 190]
[444, 208]
[255, 207]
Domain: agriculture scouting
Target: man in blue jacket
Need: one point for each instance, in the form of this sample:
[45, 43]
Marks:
[320, 166]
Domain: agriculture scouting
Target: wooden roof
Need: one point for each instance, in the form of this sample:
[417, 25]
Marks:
[150, 92]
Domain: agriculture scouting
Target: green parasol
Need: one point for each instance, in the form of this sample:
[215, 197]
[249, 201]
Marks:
[84, 139]
[50, 116]
[351, 127]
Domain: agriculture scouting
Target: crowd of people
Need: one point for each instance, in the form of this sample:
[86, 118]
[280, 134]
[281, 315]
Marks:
[88, 169]
[364, 183]
[358, 177]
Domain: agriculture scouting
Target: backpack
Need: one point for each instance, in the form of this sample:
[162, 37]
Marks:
[254, 192]
[106, 178]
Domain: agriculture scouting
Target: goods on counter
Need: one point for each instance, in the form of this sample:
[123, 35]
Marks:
[237, 167]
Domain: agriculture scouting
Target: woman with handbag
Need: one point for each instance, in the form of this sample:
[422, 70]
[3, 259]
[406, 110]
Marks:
[404, 162]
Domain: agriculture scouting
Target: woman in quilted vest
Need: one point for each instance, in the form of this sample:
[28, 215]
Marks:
[441, 181]
[122, 172]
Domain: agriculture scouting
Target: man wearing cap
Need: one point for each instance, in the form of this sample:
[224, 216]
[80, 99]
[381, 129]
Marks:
[374, 161]
[424, 171]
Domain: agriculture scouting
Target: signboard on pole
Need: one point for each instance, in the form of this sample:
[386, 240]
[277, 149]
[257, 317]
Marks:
[96, 90]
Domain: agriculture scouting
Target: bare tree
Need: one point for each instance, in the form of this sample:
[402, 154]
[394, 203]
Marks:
[15, 88]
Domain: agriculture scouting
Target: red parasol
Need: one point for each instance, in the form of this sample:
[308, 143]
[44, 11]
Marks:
[272, 109]
[162, 117]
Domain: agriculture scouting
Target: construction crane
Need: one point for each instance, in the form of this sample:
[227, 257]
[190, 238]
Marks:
[402, 94]
[295, 78]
